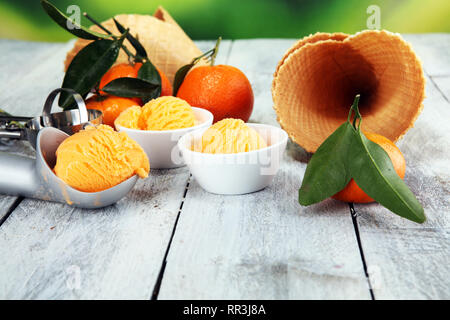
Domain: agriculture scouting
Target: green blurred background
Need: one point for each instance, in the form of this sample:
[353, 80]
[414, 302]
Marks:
[233, 19]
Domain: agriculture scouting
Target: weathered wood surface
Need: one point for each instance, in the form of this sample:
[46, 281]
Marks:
[50, 250]
[442, 84]
[263, 245]
[20, 89]
[407, 260]
[434, 51]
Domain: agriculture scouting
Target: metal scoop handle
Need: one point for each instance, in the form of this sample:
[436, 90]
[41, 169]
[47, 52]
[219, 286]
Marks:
[12, 134]
[84, 118]
[17, 175]
[14, 118]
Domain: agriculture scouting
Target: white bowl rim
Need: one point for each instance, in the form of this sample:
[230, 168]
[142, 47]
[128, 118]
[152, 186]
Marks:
[196, 127]
[182, 147]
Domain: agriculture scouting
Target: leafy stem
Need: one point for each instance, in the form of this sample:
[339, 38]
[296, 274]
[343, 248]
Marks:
[215, 51]
[69, 24]
[355, 108]
[183, 71]
[131, 56]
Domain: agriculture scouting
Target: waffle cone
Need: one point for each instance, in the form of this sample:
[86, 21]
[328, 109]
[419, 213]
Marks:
[317, 79]
[167, 45]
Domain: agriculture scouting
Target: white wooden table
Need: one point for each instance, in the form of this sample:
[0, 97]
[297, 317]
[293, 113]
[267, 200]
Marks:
[169, 239]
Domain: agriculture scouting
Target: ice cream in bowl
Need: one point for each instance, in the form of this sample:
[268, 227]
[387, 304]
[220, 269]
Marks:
[234, 157]
[159, 124]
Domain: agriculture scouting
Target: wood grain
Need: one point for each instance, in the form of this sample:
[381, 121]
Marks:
[434, 51]
[259, 55]
[116, 252]
[17, 60]
[263, 245]
[408, 260]
[443, 85]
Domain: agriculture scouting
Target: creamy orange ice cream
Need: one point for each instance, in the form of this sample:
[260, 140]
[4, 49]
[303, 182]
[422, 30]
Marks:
[129, 118]
[98, 158]
[230, 136]
[164, 113]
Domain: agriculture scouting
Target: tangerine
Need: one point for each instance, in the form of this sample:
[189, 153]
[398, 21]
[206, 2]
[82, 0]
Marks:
[110, 106]
[352, 192]
[223, 90]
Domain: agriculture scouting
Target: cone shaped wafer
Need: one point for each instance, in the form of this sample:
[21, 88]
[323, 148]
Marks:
[317, 79]
[167, 45]
[319, 36]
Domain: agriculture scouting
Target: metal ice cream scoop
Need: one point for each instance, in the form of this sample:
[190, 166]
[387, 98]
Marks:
[69, 121]
[34, 178]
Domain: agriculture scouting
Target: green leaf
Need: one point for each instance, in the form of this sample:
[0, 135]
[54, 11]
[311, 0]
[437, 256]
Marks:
[140, 50]
[328, 172]
[372, 170]
[88, 67]
[183, 71]
[150, 74]
[179, 77]
[347, 154]
[64, 21]
[131, 87]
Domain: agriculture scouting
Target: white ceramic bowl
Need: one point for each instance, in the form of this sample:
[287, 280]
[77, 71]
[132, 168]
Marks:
[236, 173]
[161, 146]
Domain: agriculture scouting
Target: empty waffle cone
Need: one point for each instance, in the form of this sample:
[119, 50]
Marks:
[317, 79]
[167, 45]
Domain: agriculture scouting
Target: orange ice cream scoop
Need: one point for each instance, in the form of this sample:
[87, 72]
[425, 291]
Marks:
[99, 158]
[129, 118]
[166, 113]
[163, 113]
[230, 136]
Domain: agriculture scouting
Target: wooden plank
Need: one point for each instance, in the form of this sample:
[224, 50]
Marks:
[411, 261]
[17, 147]
[263, 245]
[434, 51]
[24, 93]
[443, 85]
[6, 203]
[115, 252]
[17, 60]
[268, 53]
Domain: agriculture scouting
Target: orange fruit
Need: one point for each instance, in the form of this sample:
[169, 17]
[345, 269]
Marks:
[124, 70]
[352, 192]
[223, 90]
[110, 106]
[166, 87]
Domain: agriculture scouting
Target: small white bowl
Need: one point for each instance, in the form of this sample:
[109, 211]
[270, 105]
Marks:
[236, 173]
[161, 146]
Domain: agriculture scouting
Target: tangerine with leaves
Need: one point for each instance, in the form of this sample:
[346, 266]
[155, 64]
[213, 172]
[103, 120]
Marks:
[352, 192]
[223, 90]
[124, 70]
[110, 106]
